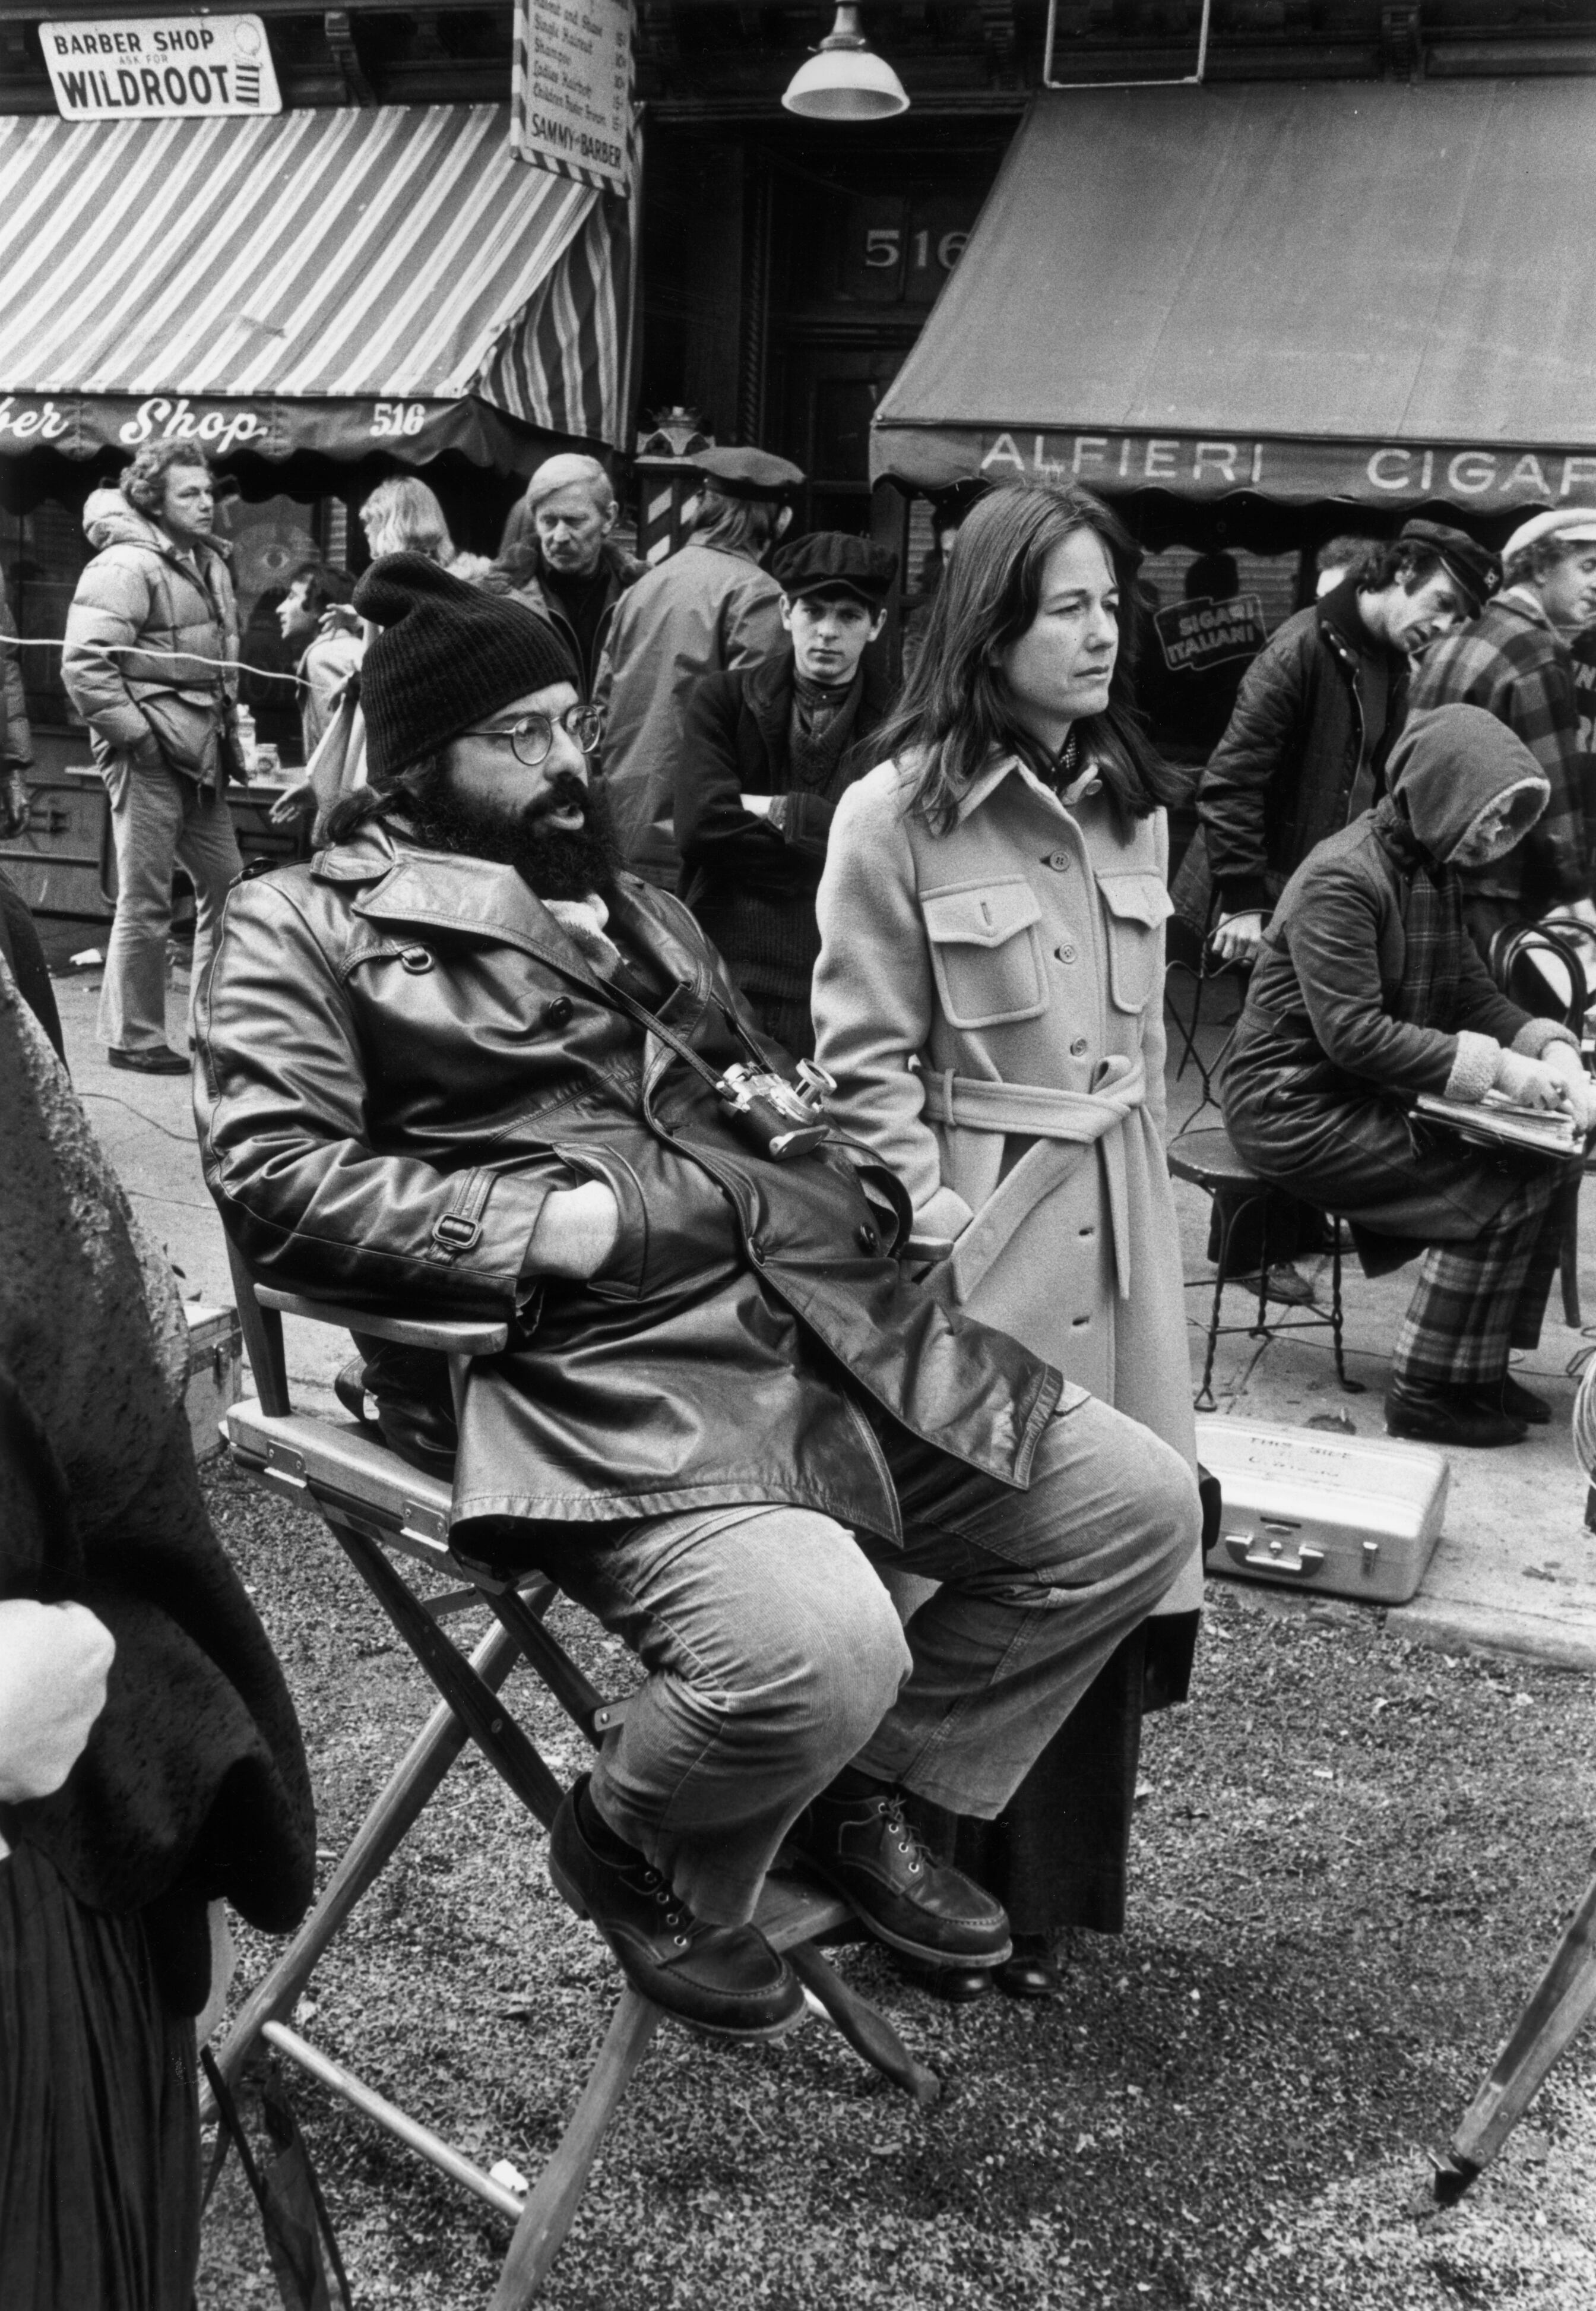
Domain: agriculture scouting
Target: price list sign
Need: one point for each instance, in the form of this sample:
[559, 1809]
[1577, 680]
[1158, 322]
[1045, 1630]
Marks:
[572, 93]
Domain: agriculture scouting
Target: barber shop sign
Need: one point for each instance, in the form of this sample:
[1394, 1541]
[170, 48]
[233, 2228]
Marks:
[161, 68]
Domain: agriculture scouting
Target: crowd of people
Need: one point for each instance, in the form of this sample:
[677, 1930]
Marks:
[783, 1060]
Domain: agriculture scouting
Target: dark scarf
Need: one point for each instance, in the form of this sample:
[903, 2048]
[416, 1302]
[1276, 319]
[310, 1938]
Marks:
[583, 601]
[819, 727]
[1432, 923]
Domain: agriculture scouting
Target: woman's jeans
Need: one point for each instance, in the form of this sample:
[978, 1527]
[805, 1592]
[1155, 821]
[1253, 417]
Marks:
[159, 819]
[775, 1656]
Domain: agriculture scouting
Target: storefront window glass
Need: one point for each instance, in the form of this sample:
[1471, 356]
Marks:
[41, 554]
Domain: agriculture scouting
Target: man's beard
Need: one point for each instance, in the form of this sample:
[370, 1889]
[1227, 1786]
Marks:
[556, 862]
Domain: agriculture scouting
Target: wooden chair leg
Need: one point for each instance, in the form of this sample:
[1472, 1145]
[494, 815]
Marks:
[867, 2032]
[493, 1730]
[410, 1788]
[1562, 2001]
[557, 2193]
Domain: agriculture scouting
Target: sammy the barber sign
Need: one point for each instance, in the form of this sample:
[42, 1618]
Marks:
[161, 68]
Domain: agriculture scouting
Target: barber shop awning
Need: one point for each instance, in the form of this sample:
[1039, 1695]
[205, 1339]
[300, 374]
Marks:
[353, 281]
[1348, 291]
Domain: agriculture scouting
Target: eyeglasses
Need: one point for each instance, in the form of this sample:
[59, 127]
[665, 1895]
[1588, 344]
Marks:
[533, 736]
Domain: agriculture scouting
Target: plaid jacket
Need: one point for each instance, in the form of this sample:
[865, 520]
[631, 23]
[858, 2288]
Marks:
[1513, 663]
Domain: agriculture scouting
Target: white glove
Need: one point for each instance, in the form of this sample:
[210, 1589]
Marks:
[1238, 938]
[1531, 1082]
[54, 1663]
[1566, 1064]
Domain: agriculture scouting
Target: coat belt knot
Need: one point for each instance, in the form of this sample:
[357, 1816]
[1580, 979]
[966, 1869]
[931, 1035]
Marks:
[1068, 1123]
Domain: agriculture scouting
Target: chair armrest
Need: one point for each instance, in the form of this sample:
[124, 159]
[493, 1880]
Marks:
[451, 1338]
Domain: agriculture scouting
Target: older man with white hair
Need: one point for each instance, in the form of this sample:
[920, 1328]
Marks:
[558, 556]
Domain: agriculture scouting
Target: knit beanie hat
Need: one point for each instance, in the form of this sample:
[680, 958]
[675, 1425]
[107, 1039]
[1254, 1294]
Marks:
[447, 656]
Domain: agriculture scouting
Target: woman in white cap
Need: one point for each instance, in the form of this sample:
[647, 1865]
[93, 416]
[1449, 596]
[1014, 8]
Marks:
[1514, 662]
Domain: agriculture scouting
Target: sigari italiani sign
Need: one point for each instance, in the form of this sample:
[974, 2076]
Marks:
[161, 68]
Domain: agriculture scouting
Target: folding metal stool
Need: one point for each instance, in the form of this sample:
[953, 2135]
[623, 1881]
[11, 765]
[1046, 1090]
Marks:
[381, 1509]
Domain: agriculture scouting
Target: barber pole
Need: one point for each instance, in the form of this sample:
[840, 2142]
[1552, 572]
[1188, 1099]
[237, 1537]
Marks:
[668, 491]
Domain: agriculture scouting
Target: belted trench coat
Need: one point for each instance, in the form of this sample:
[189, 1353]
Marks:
[402, 1054]
[990, 1001]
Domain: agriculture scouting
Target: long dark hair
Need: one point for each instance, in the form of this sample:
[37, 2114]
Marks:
[955, 714]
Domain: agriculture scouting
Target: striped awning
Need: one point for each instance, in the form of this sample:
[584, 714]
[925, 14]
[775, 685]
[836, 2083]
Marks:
[348, 281]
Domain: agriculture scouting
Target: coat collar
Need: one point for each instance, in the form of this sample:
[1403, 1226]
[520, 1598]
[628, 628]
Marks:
[1528, 605]
[443, 890]
[1002, 766]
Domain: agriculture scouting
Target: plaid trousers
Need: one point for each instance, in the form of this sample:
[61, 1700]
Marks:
[1475, 1302]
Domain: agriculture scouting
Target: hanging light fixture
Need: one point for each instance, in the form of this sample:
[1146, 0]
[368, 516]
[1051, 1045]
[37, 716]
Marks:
[845, 79]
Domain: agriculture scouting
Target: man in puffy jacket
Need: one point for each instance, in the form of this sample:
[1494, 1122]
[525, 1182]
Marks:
[1319, 709]
[428, 1081]
[151, 642]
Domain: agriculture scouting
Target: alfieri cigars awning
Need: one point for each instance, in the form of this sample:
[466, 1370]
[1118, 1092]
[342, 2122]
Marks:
[342, 281]
[1354, 291]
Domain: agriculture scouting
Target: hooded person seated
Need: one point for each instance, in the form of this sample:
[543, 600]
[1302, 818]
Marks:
[459, 1064]
[1367, 992]
[769, 751]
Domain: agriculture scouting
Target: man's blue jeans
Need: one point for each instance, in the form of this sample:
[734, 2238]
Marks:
[158, 820]
[774, 1656]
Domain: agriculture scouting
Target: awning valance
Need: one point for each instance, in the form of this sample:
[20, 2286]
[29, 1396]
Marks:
[1350, 289]
[350, 282]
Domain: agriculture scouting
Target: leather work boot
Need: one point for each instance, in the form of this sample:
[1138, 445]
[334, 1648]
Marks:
[1518, 1403]
[864, 1848]
[725, 1979]
[1435, 1414]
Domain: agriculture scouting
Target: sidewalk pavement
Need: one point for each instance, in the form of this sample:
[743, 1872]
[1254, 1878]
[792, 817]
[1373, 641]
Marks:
[1516, 1570]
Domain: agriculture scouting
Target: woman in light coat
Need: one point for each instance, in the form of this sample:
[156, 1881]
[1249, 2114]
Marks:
[989, 1000]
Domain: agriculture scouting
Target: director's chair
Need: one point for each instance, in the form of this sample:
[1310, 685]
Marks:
[386, 1514]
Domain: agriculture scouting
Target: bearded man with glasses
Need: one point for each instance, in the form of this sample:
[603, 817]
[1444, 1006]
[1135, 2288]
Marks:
[460, 1065]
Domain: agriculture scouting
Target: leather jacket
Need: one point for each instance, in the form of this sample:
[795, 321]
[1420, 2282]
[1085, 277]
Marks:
[1282, 779]
[402, 1054]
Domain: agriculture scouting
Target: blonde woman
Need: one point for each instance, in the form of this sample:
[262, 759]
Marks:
[988, 998]
[400, 516]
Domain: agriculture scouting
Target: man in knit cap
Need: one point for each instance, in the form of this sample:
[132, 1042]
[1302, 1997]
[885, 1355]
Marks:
[460, 1065]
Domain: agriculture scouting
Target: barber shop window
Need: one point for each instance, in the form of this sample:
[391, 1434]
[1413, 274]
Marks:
[271, 539]
[41, 555]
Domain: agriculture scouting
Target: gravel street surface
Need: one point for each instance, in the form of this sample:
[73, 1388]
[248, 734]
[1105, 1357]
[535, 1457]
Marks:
[1352, 1857]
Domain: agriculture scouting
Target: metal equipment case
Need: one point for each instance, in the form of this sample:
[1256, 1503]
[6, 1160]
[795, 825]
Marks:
[1353, 1516]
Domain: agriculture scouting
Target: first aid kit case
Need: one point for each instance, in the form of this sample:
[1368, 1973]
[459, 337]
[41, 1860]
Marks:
[1305, 1508]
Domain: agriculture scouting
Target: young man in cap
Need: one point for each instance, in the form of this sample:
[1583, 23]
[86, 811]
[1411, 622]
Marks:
[708, 609]
[1515, 661]
[767, 753]
[1319, 710]
[425, 1087]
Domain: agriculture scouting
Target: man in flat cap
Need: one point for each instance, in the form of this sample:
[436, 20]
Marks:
[709, 609]
[1515, 661]
[767, 751]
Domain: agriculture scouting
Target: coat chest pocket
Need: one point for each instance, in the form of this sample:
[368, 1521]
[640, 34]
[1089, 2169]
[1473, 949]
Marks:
[985, 953]
[1138, 906]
